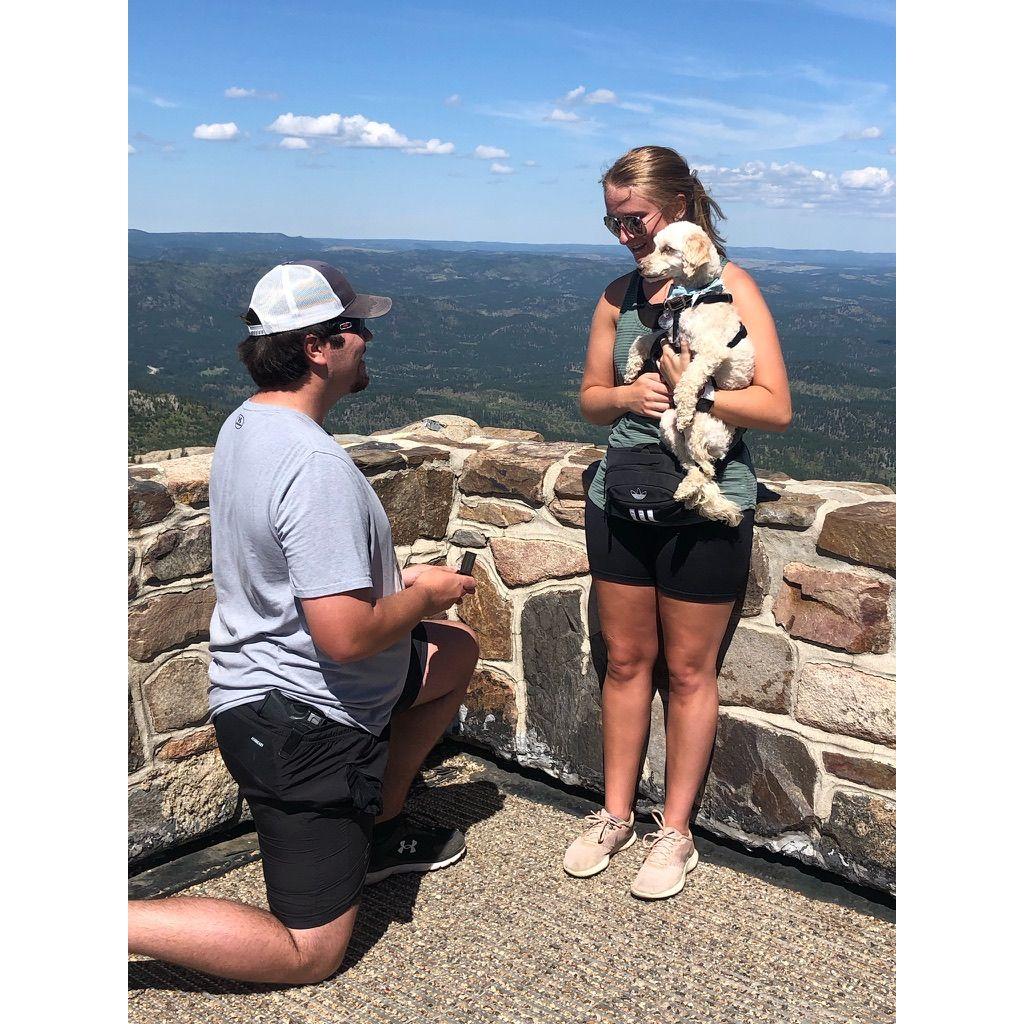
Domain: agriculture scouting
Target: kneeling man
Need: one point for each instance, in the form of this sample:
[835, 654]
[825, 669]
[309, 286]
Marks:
[326, 688]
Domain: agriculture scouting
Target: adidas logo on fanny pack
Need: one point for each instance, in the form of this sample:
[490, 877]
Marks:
[642, 515]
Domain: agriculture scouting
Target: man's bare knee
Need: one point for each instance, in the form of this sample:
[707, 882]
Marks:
[466, 649]
[318, 969]
[319, 951]
[315, 962]
[460, 650]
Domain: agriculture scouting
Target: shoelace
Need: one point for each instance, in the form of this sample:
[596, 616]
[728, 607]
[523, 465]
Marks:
[603, 819]
[661, 844]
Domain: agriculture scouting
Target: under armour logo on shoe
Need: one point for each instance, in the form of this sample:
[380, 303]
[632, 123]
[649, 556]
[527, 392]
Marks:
[407, 847]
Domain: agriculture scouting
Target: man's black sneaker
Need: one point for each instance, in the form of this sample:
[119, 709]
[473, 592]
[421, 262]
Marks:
[399, 847]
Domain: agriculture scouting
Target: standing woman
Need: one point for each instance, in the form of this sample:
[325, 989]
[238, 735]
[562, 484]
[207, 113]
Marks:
[686, 578]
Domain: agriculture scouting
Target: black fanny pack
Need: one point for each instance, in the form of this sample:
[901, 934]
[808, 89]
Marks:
[640, 483]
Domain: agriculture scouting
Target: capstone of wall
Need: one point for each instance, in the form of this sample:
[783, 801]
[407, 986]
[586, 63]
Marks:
[805, 758]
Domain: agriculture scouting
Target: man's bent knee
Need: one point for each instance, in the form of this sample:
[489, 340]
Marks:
[458, 646]
[316, 961]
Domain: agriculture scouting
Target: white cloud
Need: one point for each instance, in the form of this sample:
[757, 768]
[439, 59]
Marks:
[356, 130]
[540, 115]
[497, 168]
[236, 92]
[157, 101]
[489, 152]
[433, 147]
[874, 132]
[640, 108]
[453, 101]
[529, 163]
[794, 186]
[595, 96]
[131, 149]
[216, 132]
[290, 142]
[713, 126]
[300, 124]
[867, 178]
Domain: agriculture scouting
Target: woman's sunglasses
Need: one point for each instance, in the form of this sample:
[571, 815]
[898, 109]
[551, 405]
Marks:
[633, 223]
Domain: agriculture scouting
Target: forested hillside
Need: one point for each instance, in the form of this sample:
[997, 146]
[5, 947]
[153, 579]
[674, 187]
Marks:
[499, 334]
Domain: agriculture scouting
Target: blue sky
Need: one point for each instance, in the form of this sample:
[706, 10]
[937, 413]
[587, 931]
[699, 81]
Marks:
[484, 122]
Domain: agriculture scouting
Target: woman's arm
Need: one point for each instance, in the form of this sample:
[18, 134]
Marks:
[601, 401]
[765, 404]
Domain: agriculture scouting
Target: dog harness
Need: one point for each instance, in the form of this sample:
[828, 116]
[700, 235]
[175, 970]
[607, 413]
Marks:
[679, 299]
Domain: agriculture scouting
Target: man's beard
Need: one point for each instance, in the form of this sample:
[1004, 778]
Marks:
[361, 384]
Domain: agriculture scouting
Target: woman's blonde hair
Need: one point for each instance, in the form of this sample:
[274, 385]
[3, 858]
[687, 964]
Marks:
[662, 176]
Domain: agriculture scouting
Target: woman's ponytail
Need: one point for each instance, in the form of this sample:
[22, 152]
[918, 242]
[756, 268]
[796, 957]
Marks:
[705, 212]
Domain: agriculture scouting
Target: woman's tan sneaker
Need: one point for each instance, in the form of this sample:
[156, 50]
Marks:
[670, 857]
[605, 836]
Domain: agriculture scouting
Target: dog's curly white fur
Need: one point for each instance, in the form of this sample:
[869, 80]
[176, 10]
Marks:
[684, 252]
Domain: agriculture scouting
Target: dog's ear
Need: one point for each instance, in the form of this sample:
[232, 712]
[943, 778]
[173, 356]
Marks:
[696, 250]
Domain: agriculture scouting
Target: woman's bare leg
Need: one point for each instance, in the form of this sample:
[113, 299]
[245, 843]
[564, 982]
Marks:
[693, 633]
[630, 628]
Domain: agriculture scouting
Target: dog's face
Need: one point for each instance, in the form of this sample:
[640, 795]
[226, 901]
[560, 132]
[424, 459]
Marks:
[682, 251]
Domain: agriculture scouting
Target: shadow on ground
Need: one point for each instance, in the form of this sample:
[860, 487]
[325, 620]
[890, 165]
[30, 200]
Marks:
[458, 805]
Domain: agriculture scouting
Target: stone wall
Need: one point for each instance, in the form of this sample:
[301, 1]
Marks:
[804, 763]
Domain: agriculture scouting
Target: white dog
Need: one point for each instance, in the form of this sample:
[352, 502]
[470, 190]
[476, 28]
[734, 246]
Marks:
[719, 348]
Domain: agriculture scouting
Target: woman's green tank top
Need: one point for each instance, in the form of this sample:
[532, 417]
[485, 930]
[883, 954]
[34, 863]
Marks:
[736, 477]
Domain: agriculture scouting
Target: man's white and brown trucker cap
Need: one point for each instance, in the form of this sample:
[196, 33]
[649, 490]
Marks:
[307, 292]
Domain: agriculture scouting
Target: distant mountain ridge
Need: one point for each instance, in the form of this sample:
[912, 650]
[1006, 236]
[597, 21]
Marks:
[147, 244]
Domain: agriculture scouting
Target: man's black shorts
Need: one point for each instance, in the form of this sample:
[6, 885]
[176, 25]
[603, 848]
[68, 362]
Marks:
[313, 797]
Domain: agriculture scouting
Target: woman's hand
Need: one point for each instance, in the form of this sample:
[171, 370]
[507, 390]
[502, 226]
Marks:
[672, 364]
[647, 396]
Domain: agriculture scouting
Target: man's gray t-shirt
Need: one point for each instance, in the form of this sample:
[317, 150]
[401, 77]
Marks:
[292, 517]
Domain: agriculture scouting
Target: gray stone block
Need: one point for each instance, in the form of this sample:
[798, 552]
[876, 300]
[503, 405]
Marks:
[176, 694]
[179, 802]
[848, 702]
[136, 755]
[176, 554]
[859, 838]
[489, 714]
[758, 670]
[761, 781]
[563, 710]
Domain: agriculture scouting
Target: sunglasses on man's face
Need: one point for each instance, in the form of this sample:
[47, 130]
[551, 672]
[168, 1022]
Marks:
[633, 224]
[352, 326]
